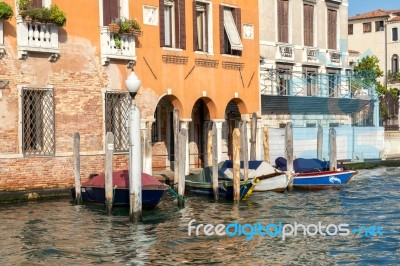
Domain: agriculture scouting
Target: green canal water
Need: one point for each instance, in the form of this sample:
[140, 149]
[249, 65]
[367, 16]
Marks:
[61, 233]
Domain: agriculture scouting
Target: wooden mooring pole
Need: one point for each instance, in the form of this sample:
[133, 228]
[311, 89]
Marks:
[215, 162]
[289, 154]
[77, 168]
[109, 171]
[266, 144]
[319, 142]
[244, 148]
[183, 135]
[175, 121]
[253, 138]
[236, 165]
[332, 149]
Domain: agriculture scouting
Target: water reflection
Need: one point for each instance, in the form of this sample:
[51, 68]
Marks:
[58, 232]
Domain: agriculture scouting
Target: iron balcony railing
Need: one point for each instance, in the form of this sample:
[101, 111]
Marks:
[285, 82]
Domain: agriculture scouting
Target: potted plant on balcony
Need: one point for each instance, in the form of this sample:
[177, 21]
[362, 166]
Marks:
[128, 26]
[23, 5]
[5, 11]
[45, 15]
[114, 26]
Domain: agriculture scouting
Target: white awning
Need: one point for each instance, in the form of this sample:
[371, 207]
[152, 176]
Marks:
[231, 31]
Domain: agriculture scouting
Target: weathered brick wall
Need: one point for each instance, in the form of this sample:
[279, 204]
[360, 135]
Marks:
[51, 172]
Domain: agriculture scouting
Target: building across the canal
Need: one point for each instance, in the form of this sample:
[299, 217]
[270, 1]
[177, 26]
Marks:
[305, 78]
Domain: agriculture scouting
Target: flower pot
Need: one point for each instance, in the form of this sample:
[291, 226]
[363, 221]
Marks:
[114, 28]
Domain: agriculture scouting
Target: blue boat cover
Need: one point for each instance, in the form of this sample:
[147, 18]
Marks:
[302, 165]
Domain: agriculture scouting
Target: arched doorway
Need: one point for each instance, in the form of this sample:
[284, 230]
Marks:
[198, 134]
[162, 135]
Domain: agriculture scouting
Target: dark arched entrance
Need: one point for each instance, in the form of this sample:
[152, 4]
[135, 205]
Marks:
[198, 134]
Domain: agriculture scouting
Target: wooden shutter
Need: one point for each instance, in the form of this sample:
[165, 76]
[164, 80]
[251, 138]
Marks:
[221, 29]
[283, 21]
[332, 29]
[110, 11]
[180, 25]
[162, 24]
[194, 26]
[36, 3]
[308, 25]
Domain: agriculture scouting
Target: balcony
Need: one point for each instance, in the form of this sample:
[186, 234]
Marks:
[117, 46]
[335, 57]
[312, 55]
[2, 46]
[285, 52]
[37, 37]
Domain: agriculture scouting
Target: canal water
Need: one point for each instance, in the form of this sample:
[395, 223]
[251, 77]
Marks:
[60, 233]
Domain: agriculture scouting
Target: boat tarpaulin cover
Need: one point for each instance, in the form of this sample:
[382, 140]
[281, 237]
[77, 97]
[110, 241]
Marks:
[121, 180]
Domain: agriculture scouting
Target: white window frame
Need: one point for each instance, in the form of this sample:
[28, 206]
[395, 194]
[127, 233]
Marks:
[209, 22]
[171, 23]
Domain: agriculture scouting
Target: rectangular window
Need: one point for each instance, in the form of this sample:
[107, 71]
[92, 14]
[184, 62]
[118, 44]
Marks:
[308, 25]
[283, 21]
[172, 24]
[116, 117]
[379, 26]
[333, 84]
[200, 26]
[230, 23]
[332, 25]
[37, 121]
[284, 80]
[367, 27]
[395, 36]
[350, 29]
[110, 11]
[310, 76]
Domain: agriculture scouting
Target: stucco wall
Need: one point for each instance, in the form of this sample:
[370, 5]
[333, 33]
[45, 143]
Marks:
[366, 142]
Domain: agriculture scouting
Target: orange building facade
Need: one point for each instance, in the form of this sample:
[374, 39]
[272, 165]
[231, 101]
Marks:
[198, 57]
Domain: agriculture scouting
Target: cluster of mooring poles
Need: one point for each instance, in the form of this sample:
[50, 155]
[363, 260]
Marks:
[240, 150]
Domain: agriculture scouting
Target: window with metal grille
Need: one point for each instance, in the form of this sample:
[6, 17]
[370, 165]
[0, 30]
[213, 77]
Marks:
[37, 121]
[116, 117]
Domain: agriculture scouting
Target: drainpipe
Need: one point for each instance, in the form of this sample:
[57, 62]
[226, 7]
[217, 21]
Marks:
[386, 68]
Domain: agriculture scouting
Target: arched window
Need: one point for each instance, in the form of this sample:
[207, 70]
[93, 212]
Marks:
[395, 63]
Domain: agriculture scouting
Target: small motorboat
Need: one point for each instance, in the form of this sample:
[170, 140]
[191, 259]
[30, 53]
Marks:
[93, 190]
[268, 177]
[322, 180]
[314, 174]
[201, 184]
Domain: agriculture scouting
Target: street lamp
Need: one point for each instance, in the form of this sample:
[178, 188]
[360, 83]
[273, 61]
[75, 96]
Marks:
[132, 83]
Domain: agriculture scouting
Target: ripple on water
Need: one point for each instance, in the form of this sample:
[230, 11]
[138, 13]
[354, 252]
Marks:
[58, 232]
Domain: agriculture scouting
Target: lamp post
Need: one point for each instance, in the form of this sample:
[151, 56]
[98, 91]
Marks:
[132, 83]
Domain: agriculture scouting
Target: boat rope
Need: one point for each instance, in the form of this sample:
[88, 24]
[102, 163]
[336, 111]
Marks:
[176, 195]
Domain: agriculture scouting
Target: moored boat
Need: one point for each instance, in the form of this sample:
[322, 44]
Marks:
[93, 190]
[322, 180]
[268, 177]
[201, 184]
